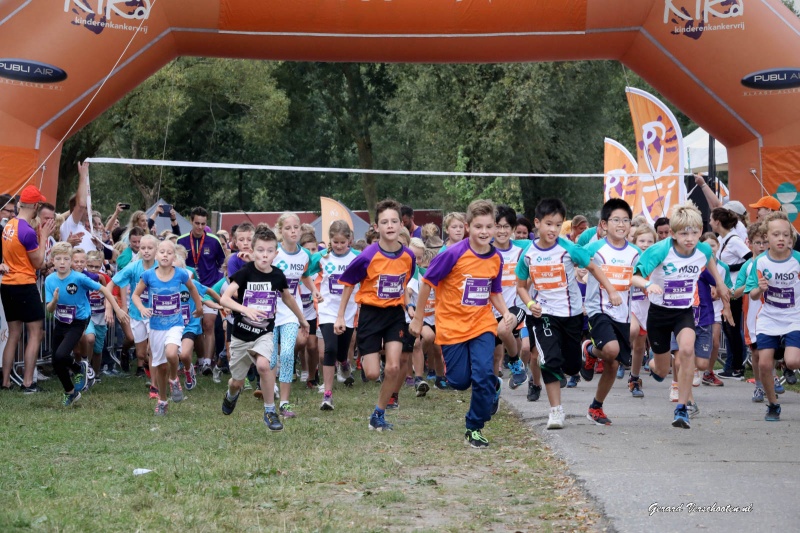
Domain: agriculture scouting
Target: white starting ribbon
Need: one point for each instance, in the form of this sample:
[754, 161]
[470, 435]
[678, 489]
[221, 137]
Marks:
[285, 168]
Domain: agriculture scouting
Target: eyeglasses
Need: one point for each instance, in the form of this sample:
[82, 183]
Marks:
[503, 227]
[618, 221]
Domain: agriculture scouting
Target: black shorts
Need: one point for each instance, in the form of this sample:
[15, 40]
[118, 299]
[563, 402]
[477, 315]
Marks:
[520, 316]
[312, 326]
[558, 340]
[603, 329]
[22, 303]
[191, 335]
[379, 325]
[663, 322]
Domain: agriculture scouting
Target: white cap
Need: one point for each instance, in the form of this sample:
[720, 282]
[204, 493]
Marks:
[736, 207]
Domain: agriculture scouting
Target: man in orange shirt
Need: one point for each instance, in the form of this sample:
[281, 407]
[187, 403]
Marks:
[23, 253]
[468, 279]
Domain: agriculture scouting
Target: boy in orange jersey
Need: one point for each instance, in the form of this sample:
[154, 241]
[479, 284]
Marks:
[468, 280]
[383, 269]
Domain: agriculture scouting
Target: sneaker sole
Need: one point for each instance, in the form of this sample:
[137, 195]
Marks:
[379, 429]
[275, 430]
[326, 407]
[476, 446]
[772, 419]
[349, 381]
[513, 385]
[596, 422]
[555, 426]
[680, 423]
[422, 389]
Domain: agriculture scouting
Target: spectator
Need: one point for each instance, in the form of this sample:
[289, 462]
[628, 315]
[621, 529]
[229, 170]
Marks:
[523, 229]
[407, 217]
[765, 206]
[76, 227]
[8, 208]
[661, 225]
[134, 238]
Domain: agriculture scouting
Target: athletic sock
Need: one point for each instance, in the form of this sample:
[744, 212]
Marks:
[380, 412]
[228, 395]
[284, 402]
[596, 404]
[634, 378]
[269, 408]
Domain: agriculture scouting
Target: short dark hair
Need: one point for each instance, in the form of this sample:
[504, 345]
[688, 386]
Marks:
[660, 221]
[136, 231]
[197, 212]
[116, 233]
[385, 205]
[42, 206]
[263, 233]
[503, 211]
[522, 221]
[406, 211]
[551, 206]
[612, 205]
[7, 199]
[726, 218]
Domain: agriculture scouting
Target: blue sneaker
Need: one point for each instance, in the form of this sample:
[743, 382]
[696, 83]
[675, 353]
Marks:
[773, 412]
[272, 421]
[778, 387]
[758, 395]
[431, 376]
[681, 418]
[496, 402]
[229, 405]
[621, 371]
[442, 384]
[379, 423]
[70, 399]
[518, 374]
[81, 378]
[573, 381]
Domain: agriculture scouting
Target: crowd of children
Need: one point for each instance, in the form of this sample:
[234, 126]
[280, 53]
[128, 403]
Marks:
[405, 307]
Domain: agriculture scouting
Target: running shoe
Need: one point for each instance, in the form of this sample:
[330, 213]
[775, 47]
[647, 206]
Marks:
[598, 368]
[519, 376]
[38, 376]
[758, 395]
[431, 375]
[711, 379]
[534, 391]
[277, 392]
[497, 390]
[379, 423]
[272, 421]
[216, 374]
[692, 409]
[286, 410]
[773, 412]
[303, 375]
[421, 387]
[778, 386]
[153, 393]
[598, 417]
[191, 378]
[589, 362]
[229, 405]
[394, 402]
[176, 391]
[205, 368]
[697, 379]
[475, 438]
[327, 402]
[441, 384]
[140, 372]
[673, 392]
[247, 384]
[409, 381]
[727, 374]
[344, 369]
[635, 386]
[621, 371]
[556, 418]
[33, 388]
[738, 374]
[69, 399]
[791, 377]
[161, 408]
[573, 381]
[257, 393]
[681, 419]
[81, 378]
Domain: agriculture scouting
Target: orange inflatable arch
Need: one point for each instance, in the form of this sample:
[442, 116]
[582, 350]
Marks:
[733, 66]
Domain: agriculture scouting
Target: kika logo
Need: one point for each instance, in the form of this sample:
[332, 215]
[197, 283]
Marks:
[693, 18]
[109, 14]
[773, 79]
[72, 288]
[32, 71]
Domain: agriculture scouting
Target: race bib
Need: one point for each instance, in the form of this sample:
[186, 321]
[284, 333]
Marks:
[261, 301]
[430, 304]
[334, 287]
[390, 286]
[637, 294]
[509, 274]
[548, 277]
[619, 276]
[97, 302]
[307, 300]
[293, 285]
[66, 313]
[780, 298]
[678, 292]
[166, 304]
[476, 291]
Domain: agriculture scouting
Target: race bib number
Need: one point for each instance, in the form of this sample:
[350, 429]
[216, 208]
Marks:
[166, 304]
[637, 295]
[307, 300]
[476, 291]
[293, 283]
[548, 277]
[678, 292]
[334, 287]
[66, 313]
[778, 297]
[97, 302]
[619, 276]
[509, 274]
[261, 301]
[390, 286]
[187, 316]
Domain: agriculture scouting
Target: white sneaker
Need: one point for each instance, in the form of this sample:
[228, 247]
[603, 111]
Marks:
[303, 377]
[673, 392]
[216, 375]
[340, 377]
[277, 392]
[321, 389]
[38, 376]
[698, 378]
[556, 419]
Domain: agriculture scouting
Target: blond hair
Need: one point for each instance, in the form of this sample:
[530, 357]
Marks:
[59, 219]
[430, 230]
[61, 248]
[286, 215]
[180, 251]
[405, 235]
[479, 208]
[76, 251]
[450, 217]
[643, 229]
[148, 237]
[685, 216]
[419, 243]
[772, 217]
[638, 220]
[95, 255]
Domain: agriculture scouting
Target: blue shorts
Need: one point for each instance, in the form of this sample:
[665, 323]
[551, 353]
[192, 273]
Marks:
[773, 342]
[99, 333]
[703, 340]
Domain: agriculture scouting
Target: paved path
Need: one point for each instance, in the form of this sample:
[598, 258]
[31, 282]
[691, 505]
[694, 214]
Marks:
[731, 456]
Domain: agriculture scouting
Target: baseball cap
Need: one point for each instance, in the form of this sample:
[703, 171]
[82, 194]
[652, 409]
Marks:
[736, 207]
[31, 195]
[768, 202]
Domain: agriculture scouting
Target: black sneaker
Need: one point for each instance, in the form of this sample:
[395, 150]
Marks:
[140, 372]
[475, 438]
[272, 421]
[229, 405]
[534, 391]
[729, 374]
[33, 389]
[738, 374]
[791, 377]
[441, 384]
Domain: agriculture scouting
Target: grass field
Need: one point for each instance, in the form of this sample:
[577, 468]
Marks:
[72, 469]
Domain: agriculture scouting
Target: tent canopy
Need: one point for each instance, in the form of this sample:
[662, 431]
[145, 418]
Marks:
[359, 229]
[164, 223]
[696, 146]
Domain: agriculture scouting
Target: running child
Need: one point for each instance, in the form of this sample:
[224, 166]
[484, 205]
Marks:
[331, 265]
[67, 297]
[163, 286]
[643, 237]
[383, 269]
[468, 279]
[673, 266]
[609, 323]
[252, 296]
[97, 329]
[775, 280]
[554, 300]
[309, 353]
[454, 225]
